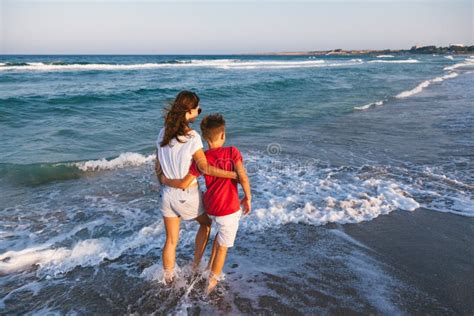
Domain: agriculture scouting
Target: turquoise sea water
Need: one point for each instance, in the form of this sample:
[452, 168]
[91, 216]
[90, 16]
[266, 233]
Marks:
[66, 108]
[327, 139]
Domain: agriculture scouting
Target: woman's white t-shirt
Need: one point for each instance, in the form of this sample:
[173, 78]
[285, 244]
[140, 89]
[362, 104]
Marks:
[176, 157]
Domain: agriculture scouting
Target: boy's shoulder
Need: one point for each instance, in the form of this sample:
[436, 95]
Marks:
[223, 150]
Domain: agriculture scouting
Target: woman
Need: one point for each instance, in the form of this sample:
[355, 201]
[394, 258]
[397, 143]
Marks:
[177, 146]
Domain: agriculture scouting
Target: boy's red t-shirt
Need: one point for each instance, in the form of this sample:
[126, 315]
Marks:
[222, 195]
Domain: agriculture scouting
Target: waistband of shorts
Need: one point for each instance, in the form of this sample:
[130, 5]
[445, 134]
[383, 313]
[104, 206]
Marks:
[188, 189]
[233, 213]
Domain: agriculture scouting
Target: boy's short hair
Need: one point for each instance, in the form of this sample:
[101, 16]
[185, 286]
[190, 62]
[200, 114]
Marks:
[212, 125]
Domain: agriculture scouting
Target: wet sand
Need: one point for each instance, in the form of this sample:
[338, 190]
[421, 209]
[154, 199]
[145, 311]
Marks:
[432, 251]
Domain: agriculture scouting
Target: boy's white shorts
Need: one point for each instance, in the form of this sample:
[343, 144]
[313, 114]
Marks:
[186, 203]
[227, 227]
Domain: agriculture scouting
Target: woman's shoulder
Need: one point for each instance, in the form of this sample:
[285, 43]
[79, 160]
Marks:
[193, 133]
[160, 134]
[194, 140]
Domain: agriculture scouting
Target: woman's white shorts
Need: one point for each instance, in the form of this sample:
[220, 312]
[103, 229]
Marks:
[186, 203]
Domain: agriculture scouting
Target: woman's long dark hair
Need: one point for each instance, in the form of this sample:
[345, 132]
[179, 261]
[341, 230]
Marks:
[175, 119]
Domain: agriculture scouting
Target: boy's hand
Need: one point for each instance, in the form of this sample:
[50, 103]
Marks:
[246, 205]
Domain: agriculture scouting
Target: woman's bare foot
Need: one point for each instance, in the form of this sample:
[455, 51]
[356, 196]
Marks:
[169, 276]
[196, 268]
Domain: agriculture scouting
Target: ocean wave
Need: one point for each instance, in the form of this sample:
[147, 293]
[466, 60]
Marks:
[423, 85]
[420, 87]
[369, 105]
[38, 174]
[218, 63]
[43, 173]
[274, 64]
[467, 63]
[81, 66]
[403, 61]
[124, 160]
[385, 56]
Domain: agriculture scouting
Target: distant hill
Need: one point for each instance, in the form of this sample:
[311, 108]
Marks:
[453, 49]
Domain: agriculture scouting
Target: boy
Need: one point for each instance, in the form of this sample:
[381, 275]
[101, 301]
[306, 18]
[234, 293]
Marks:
[221, 200]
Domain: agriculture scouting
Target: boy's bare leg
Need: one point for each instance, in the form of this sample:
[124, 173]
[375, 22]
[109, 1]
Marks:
[202, 237]
[169, 250]
[217, 265]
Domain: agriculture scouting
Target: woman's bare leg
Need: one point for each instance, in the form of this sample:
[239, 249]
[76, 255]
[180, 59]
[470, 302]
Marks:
[169, 250]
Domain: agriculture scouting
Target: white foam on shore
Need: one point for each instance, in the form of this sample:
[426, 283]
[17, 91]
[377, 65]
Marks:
[458, 205]
[337, 204]
[216, 63]
[313, 195]
[127, 159]
[88, 252]
[314, 199]
[376, 284]
[316, 196]
[420, 87]
[404, 61]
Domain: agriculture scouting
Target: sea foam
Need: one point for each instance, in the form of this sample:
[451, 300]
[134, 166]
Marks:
[369, 105]
[286, 191]
[403, 61]
[420, 87]
[127, 159]
[467, 63]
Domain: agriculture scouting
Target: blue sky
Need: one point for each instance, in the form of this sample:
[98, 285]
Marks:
[221, 27]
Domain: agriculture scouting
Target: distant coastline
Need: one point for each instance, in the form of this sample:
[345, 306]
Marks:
[452, 49]
[455, 49]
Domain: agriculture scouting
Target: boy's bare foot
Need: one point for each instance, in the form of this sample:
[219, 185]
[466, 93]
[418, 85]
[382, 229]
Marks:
[212, 283]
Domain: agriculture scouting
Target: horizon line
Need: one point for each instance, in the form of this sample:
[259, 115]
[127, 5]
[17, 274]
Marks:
[229, 54]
